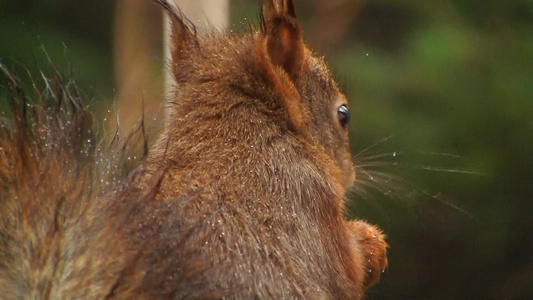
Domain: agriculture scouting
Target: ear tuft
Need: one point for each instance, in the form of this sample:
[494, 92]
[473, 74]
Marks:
[284, 41]
[183, 36]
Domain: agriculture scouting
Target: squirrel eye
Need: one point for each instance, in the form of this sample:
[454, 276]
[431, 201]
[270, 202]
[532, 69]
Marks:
[344, 116]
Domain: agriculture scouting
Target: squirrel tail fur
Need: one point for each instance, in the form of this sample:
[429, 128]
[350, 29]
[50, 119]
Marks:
[56, 240]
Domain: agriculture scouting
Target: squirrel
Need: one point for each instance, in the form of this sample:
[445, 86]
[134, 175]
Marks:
[241, 195]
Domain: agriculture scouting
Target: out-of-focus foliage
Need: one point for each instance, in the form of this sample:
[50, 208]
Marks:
[442, 92]
[452, 77]
[76, 35]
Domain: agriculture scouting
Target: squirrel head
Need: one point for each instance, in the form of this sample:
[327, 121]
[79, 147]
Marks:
[270, 74]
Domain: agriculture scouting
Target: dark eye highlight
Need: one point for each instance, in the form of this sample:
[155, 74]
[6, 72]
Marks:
[343, 114]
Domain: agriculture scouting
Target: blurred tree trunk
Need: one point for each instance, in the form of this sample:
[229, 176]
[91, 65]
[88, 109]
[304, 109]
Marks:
[330, 22]
[138, 47]
[205, 15]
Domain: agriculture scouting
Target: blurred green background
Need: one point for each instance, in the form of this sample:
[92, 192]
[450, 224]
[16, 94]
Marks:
[442, 100]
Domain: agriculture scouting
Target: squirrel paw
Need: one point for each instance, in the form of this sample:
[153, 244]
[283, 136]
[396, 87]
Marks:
[373, 249]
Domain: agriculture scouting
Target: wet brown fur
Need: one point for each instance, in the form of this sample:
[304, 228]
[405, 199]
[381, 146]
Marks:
[56, 235]
[241, 196]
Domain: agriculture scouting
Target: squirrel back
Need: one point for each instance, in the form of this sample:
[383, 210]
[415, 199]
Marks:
[241, 196]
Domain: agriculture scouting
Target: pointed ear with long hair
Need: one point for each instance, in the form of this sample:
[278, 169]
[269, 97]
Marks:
[183, 36]
[281, 30]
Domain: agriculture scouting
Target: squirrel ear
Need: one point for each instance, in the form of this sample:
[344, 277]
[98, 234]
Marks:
[182, 36]
[284, 42]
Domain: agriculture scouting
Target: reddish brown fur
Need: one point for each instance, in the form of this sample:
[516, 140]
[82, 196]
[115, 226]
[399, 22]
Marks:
[252, 126]
[241, 196]
[56, 235]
